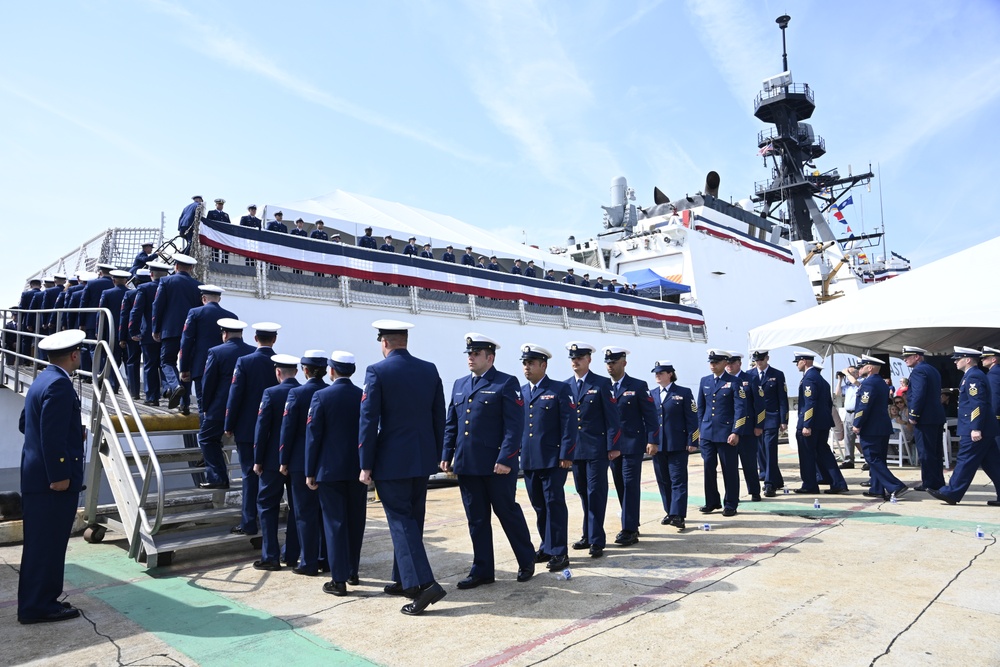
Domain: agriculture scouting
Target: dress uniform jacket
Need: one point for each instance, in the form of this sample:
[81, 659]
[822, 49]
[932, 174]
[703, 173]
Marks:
[299, 232]
[275, 226]
[993, 378]
[448, 257]
[468, 260]
[387, 247]
[268, 428]
[598, 426]
[217, 215]
[427, 254]
[218, 377]
[755, 402]
[677, 419]
[775, 395]
[485, 424]
[140, 320]
[975, 405]
[319, 234]
[53, 451]
[331, 450]
[112, 300]
[140, 261]
[49, 297]
[815, 402]
[272, 484]
[293, 427]
[923, 398]
[175, 296]
[201, 333]
[124, 313]
[250, 221]
[367, 242]
[550, 424]
[405, 440]
[91, 299]
[871, 415]
[252, 374]
[74, 300]
[411, 249]
[637, 415]
[722, 408]
[530, 272]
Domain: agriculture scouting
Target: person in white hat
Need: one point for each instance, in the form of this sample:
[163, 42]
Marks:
[132, 352]
[331, 462]
[597, 431]
[722, 420]
[111, 299]
[482, 440]
[251, 376]
[140, 330]
[813, 430]
[91, 298]
[923, 400]
[771, 382]
[145, 255]
[52, 463]
[191, 214]
[873, 427]
[175, 297]
[755, 416]
[48, 302]
[401, 431]
[977, 431]
[200, 334]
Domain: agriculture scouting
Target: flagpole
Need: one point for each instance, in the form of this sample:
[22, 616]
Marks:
[881, 211]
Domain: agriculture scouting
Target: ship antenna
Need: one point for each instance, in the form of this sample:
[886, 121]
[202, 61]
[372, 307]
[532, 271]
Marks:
[782, 22]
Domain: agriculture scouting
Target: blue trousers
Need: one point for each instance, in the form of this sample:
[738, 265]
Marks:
[714, 453]
[132, 367]
[210, 442]
[152, 376]
[816, 460]
[169, 349]
[747, 449]
[626, 471]
[405, 503]
[272, 486]
[984, 454]
[875, 450]
[251, 487]
[48, 520]
[768, 449]
[671, 470]
[344, 505]
[930, 446]
[480, 495]
[307, 522]
[548, 498]
[591, 479]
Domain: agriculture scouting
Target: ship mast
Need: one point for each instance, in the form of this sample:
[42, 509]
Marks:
[793, 146]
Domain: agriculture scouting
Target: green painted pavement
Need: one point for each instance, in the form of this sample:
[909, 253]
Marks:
[206, 626]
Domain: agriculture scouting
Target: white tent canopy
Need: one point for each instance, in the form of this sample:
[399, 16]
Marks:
[946, 303]
[350, 213]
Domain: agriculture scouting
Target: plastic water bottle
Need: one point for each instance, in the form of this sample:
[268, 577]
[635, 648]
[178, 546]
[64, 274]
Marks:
[785, 490]
[979, 532]
[706, 526]
[565, 575]
[892, 499]
[816, 504]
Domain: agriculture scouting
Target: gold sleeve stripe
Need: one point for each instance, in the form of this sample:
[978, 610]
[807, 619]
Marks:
[761, 416]
[696, 434]
[741, 421]
[859, 414]
[808, 415]
[975, 414]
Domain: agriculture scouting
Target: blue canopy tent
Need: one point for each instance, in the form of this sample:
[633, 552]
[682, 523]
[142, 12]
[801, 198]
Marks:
[652, 285]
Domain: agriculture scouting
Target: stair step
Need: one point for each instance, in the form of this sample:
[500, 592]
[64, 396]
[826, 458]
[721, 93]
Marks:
[210, 515]
[171, 455]
[205, 536]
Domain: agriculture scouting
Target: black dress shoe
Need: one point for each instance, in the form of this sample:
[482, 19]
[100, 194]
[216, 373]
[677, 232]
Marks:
[755, 498]
[581, 544]
[306, 571]
[428, 596]
[848, 464]
[175, 397]
[238, 530]
[665, 520]
[558, 563]
[524, 574]
[804, 491]
[338, 588]
[728, 512]
[185, 411]
[474, 582]
[940, 496]
[919, 487]
[900, 491]
[542, 557]
[63, 614]
[869, 494]
[151, 404]
[678, 523]
[769, 492]
[323, 566]
[396, 588]
[836, 492]
[867, 482]
[708, 509]
[596, 551]
[993, 503]
[214, 485]
[267, 565]
[353, 580]
[864, 467]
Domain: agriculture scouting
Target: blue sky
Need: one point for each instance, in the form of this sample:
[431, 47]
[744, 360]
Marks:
[510, 115]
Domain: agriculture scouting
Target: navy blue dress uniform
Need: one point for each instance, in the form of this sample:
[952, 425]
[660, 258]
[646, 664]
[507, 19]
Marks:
[367, 241]
[57, 322]
[494, 265]
[923, 401]
[516, 269]
[111, 299]
[175, 296]
[52, 463]
[132, 351]
[530, 271]
[401, 434]
[140, 323]
[467, 258]
[748, 440]
[722, 412]
[548, 439]
[586, 280]
[216, 381]
[145, 255]
[218, 214]
[332, 463]
[299, 231]
[252, 375]
[773, 389]
[550, 275]
[74, 297]
[387, 246]
[411, 248]
[200, 334]
[426, 253]
[598, 429]
[449, 255]
[871, 418]
[26, 322]
[319, 232]
[816, 460]
[250, 219]
[49, 297]
[676, 437]
[267, 466]
[185, 223]
[638, 429]
[277, 225]
[308, 516]
[482, 443]
[598, 284]
[568, 278]
[90, 297]
[978, 412]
